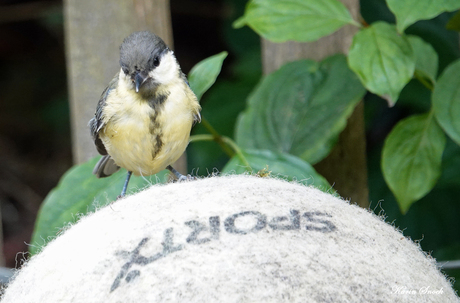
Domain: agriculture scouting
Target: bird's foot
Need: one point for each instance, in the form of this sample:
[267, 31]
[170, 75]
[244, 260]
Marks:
[183, 178]
[180, 177]
[125, 186]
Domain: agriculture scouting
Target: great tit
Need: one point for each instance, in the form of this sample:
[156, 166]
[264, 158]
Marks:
[144, 117]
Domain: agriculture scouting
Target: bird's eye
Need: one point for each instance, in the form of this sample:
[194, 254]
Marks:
[156, 62]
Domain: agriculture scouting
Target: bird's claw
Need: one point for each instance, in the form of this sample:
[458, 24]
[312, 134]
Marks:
[183, 178]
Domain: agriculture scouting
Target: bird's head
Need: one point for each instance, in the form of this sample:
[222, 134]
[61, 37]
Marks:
[147, 62]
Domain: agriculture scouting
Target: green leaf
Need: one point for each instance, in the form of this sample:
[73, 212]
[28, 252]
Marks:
[204, 73]
[240, 22]
[80, 192]
[278, 164]
[298, 20]
[382, 59]
[300, 109]
[411, 158]
[446, 101]
[408, 12]
[426, 58]
[450, 177]
[444, 41]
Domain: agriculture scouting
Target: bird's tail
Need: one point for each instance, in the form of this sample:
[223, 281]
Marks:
[105, 167]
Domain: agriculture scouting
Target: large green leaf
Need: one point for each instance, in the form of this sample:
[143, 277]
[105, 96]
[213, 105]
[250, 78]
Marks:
[411, 158]
[426, 58]
[300, 109]
[433, 31]
[408, 12]
[78, 193]
[298, 20]
[204, 73]
[382, 59]
[278, 164]
[446, 101]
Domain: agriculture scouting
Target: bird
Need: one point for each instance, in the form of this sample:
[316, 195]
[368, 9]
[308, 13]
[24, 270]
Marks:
[144, 117]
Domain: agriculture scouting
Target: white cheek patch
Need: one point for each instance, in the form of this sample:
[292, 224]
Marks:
[167, 70]
[125, 80]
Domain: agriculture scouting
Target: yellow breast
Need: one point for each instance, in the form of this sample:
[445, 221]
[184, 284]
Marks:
[145, 139]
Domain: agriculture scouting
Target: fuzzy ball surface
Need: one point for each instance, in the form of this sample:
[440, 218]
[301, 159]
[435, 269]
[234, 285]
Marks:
[231, 239]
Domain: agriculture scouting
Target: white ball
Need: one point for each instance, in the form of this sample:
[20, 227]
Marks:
[231, 239]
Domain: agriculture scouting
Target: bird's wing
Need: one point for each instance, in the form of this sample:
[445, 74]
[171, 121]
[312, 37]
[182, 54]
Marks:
[97, 122]
[105, 167]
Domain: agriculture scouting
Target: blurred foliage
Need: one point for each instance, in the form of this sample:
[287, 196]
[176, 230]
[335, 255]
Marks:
[301, 108]
[433, 219]
[204, 74]
[308, 20]
[375, 52]
[76, 194]
[278, 164]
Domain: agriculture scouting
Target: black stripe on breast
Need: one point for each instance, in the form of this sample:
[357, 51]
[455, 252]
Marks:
[155, 131]
[156, 101]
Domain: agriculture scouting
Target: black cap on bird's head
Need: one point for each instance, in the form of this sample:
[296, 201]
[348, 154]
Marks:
[140, 53]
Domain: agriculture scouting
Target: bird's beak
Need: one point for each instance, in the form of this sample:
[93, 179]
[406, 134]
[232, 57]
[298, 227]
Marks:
[139, 79]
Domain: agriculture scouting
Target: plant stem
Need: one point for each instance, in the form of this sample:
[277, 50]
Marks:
[226, 142]
[237, 150]
[217, 137]
[427, 84]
